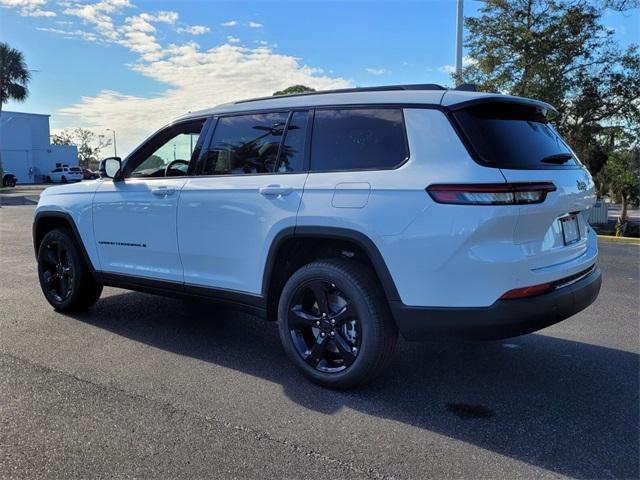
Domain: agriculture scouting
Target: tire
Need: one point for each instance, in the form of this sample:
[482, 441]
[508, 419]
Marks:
[65, 278]
[63, 179]
[49, 179]
[358, 346]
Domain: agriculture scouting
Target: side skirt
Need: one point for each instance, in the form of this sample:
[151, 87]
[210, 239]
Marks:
[250, 303]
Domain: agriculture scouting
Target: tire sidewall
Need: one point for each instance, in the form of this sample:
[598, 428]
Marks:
[365, 309]
[63, 237]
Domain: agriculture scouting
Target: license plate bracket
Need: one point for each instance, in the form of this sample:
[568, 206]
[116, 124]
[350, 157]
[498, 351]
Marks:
[570, 229]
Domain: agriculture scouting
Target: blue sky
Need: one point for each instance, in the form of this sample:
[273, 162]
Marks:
[133, 65]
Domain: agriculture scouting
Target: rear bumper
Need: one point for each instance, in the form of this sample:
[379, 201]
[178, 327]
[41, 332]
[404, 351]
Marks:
[503, 319]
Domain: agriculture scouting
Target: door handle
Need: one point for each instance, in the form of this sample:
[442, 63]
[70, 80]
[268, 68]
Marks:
[275, 190]
[163, 191]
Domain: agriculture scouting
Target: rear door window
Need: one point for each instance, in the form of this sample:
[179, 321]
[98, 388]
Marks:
[513, 136]
[246, 144]
[358, 139]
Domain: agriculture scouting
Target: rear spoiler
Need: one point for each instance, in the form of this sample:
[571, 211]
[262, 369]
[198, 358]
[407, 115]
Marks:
[460, 102]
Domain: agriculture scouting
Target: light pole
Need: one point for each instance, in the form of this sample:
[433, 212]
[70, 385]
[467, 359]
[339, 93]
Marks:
[115, 152]
[459, 29]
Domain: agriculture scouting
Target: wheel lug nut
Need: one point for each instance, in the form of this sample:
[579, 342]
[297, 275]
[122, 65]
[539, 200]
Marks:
[322, 334]
[324, 315]
[332, 333]
[333, 322]
[354, 349]
[318, 323]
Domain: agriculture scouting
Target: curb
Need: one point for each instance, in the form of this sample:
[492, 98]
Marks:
[611, 238]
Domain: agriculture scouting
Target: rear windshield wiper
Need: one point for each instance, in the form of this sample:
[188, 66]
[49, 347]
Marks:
[558, 158]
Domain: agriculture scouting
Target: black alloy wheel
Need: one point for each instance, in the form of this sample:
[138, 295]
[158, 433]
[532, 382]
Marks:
[65, 278]
[335, 324]
[324, 328]
[57, 271]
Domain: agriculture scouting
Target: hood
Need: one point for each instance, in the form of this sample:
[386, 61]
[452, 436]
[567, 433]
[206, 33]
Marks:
[86, 186]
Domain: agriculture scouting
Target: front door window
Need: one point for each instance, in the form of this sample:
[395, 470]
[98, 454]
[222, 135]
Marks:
[169, 153]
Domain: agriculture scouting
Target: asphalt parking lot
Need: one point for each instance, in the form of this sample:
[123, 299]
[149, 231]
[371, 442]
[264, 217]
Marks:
[143, 386]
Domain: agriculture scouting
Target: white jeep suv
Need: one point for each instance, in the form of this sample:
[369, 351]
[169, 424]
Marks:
[65, 174]
[346, 216]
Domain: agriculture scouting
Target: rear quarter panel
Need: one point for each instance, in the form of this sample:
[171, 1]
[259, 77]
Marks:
[420, 241]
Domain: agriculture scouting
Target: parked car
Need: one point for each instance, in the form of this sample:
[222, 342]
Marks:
[347, 216]
[88, 174]
[65, 174]
[9, 180]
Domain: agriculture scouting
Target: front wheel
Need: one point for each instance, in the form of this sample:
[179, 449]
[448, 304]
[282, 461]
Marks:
[65, 278]
[334, 323]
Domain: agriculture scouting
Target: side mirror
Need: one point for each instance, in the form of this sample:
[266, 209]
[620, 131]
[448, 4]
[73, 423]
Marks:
[110, 167]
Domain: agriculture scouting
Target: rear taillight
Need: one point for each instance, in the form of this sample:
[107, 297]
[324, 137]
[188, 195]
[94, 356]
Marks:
[491, 193]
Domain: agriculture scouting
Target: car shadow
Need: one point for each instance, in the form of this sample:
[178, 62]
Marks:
[561, 405]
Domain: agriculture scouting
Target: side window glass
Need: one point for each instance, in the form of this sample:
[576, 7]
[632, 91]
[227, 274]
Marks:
[292, 152]
[358, 139]
[170, 152]
[245, 144]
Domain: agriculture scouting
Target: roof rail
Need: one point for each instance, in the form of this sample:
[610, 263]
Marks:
[417, 86]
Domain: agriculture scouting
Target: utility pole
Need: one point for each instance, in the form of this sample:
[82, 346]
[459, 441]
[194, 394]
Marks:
[459, 29]
[115, 152]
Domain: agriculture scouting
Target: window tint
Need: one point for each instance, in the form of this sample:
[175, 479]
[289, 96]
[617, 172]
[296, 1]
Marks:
[174, 146]
[245, 144]
[514, 136]
[292, 152]
[350, 139]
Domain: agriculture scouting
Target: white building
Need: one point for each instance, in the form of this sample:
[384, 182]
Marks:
[25, 148]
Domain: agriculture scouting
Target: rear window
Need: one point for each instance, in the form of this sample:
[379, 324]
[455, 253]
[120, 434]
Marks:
[514, 136]
[358, 139]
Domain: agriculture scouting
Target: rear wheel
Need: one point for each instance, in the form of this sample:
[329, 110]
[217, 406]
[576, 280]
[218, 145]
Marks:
[63, 179]
[64, 275]
[334, 323]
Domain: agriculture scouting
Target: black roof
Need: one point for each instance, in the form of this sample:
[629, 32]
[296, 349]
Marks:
[383, 88]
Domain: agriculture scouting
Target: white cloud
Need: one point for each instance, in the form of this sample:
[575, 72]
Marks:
[255, 25]
[196, 79]
[377, 71]
[450, 69]
[89, 36]
[28, 8]
[194, 29]
[162, 16]
[193, 77]
[230, 23]
[97, 14]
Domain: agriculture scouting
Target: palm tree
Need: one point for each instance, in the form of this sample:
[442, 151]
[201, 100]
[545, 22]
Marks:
[14, 75]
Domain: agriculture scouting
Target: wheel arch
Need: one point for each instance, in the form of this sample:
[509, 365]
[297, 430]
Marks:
[44, 222]
[283, 249]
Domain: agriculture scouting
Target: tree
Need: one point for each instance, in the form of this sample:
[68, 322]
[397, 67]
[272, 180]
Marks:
[560, 52]
[88, 143]
[293, 90]
[14, 77]
[622, 175]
